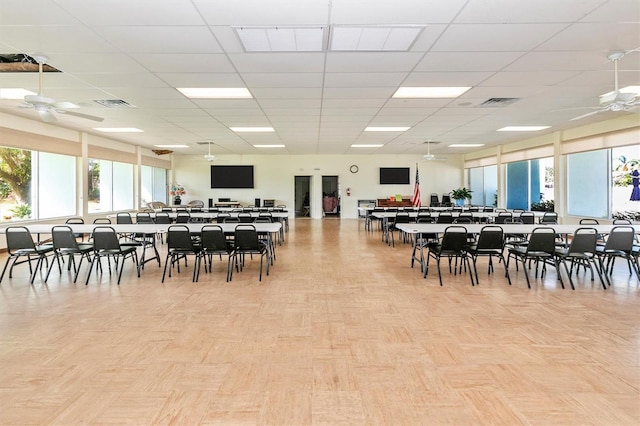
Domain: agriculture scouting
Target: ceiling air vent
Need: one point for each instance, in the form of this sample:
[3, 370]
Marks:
[498, 102]
[114, 103]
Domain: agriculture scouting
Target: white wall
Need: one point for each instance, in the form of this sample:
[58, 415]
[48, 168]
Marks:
[274, 178]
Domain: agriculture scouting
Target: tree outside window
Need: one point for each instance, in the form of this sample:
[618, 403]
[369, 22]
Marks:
[15, 183]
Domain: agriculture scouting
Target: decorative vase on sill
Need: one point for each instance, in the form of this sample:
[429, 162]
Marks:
[177, 200]
[460, 195]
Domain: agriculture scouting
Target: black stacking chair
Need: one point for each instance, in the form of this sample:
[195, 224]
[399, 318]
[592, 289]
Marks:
[245, 242]
[107, 244]
[66, 244]
[581, 252]
[541, 249]
[452, 246]
[490, 243]
[20, 245]
[214, 243]
[179, 246]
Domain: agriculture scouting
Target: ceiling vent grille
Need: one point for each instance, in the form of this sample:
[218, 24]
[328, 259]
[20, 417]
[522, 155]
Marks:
[114, 103]
[498, 102]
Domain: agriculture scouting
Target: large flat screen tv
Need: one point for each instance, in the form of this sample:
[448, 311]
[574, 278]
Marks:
[231, 176]
[394, 175]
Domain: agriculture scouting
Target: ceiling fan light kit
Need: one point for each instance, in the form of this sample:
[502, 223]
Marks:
[45, 106]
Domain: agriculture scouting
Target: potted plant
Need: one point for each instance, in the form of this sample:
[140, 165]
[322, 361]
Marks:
[460, 195]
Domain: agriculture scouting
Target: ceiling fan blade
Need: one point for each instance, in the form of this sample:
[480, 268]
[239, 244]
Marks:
[65, 105]
[587, 114]
[81, 115]
[46, 115]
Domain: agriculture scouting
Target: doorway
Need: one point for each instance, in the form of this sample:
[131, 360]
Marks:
[302, 196]
[330, 196]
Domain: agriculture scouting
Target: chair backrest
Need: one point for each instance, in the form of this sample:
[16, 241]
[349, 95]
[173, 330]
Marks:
[584, 240]
[19, 238]
[402, 217]
[488, 209]
[454, 239]
[433, 199]
[179, 238]
[167, 209]
[589, 222]
[213, 238]
[263, 219]
[63, 237]
[491, 238]
[163, 218]
[502, 217]
[144, 217]
[463, 219]
[196, 203]
[123, 217]
[549, 218]
[102, 220]
[528, 218]
[183, 217]
[230, 219]
[245, 217]
[542, 239]
[621, 222]
[423, 215]
[620, 238]
[75, 220]
[446, 199]
[444, 217]
[246, 238]
[105, 238]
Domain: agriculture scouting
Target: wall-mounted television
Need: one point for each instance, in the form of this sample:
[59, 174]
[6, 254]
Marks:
[394, 175]
[223, 176]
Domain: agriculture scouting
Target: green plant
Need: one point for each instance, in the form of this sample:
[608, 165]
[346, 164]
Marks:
[21, 211]
[461, 194]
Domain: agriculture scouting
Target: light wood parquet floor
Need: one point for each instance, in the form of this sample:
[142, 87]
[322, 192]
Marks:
[343, 331]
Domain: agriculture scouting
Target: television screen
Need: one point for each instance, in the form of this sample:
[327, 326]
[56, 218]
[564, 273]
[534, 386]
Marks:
[394, 175]
[231, 176]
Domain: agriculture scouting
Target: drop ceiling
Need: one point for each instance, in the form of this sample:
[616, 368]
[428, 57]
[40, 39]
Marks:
[549, 54]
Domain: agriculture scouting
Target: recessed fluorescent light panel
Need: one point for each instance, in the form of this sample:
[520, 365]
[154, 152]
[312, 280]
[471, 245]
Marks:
[15, 93]
[215, 92]
[465, 145]
[374, 38]
[364, 145]
[522, 128]
[252, 129]
[430, 92]
[269, 146]
[281, 39]
[172, 146]
[386, 129]
[117, 129]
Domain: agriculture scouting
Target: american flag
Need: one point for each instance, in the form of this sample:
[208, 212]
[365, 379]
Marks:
[416, 190]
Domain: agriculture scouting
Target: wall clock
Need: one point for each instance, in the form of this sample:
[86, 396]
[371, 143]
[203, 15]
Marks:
[354, 168]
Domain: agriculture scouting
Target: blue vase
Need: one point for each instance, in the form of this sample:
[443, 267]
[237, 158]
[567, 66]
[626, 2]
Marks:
[460, 202]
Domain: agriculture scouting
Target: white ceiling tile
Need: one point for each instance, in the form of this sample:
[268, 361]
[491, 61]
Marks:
[257, 12]
[540, 78]
[495, 37]
[47, 12]
[363, 79]
[167, 40]
[371, 62]
[467, 61]
[185, 63]
[615, 12]
[201, 79]
[139, 12]
[353, 103]
[588, 36]
[122, 80]
[286, 93]
[358, 93]
[445, 79]
[86, 63]
[309, 79]
[54, 39]
[499, 11]
[559, 61]
[398, 12]
[278, 62]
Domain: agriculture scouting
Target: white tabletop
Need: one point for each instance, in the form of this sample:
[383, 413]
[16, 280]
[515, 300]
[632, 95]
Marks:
[150, 228]
[516, 228]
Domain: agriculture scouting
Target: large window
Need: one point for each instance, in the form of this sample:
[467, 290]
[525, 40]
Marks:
[483, 182]
[16, 184]
[56, 185]
[153, 182]
[530, 183]
[110, 186]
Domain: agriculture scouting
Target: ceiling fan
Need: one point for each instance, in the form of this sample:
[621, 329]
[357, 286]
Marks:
[209, 156]
[45, 106]
[616, 100]
[429, 156]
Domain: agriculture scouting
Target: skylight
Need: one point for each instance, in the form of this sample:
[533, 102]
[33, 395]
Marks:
[281, 39]
[374, 38]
